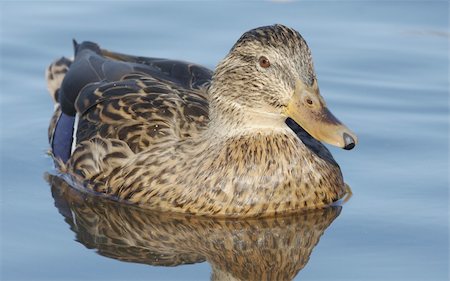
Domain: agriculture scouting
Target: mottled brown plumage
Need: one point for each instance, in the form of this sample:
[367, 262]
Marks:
[237, 249]
[167, 135]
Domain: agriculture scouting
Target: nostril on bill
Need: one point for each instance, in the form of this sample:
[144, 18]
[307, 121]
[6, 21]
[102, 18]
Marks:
[348, 141]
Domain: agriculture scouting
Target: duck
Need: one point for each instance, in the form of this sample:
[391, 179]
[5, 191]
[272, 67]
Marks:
[244, 140]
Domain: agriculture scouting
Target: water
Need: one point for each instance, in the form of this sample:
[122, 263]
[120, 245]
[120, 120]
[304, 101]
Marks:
[383, 68]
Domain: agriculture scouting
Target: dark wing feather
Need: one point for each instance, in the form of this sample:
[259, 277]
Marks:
[92, 64]
[186, 74]
[137, 100]
[140, 110]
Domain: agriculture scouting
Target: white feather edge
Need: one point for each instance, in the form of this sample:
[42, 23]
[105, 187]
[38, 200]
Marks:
[74, 136]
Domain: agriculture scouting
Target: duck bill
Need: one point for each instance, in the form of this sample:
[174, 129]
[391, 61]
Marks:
[308, 109]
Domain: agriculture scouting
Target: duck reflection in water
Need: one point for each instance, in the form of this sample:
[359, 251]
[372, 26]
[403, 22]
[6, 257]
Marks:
[237, 249]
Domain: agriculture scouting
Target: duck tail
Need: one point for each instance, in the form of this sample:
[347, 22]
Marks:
[54, 75]
[60, 142]
[75, 46]
[65, 79]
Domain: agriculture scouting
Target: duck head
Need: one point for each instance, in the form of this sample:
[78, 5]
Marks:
[269, 72]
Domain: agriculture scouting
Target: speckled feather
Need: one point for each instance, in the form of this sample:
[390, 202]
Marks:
[174, 144]
[237, 249]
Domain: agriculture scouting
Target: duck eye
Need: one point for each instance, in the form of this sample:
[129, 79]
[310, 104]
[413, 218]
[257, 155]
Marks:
[264, 62]
[309, 101]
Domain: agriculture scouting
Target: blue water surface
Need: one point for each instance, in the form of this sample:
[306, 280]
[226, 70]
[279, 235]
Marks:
[382, 66]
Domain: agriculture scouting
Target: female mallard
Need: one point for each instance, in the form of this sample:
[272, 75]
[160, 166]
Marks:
[173, 136]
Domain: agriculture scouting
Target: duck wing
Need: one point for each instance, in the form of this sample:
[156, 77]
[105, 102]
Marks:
[140, 110]
[186, 74]
[137, 100]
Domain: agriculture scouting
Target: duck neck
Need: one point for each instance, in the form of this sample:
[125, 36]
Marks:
[229, 117]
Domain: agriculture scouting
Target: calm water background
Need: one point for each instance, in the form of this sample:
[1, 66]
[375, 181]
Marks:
[382, 66]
